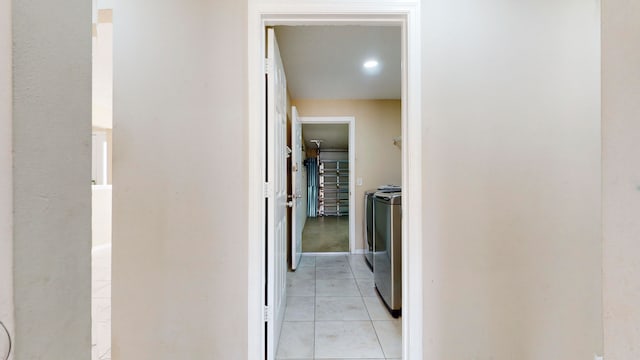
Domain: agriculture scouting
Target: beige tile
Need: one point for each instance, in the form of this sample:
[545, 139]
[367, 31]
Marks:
[340, 287]
[301, 287]
[307, 260]
[305, 272]
[347, 339]
[296, 340]
[390, 336]
[376, 308]
[300, 308]
[340, 308]
[361, 270]
[362, 273]
[328, 261]
[367, 287]
[334, 273]
[357, 260]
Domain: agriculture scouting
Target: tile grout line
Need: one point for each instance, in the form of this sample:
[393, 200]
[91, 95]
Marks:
[370, 319]
[315, 297]
[360, 295]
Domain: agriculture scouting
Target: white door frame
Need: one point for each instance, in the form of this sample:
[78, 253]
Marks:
[264, 13]
[351, 121]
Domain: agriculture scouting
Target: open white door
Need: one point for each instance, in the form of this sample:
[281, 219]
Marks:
[299, 211]
[276, 192]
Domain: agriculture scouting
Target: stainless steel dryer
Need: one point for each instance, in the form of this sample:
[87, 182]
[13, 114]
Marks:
[368, 226]
[387, 249]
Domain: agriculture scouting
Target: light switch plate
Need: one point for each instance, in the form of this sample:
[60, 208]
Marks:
[359, 181]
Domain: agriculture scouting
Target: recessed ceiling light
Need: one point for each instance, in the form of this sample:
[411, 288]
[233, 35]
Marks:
[370, 64]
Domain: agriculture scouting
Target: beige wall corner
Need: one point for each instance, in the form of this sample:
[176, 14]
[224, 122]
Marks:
[51, 178]
[512, 178]
[6, 177]
[621, 177]
[180, 285]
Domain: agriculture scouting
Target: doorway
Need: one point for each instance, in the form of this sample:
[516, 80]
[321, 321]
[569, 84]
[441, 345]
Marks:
[332, 296]
[354, 13]
[330, 150]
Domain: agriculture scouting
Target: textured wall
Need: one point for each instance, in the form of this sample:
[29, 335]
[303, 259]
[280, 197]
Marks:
[6, 206]
[52, 178]
[512, 250]
[621, 177]
[179, 180]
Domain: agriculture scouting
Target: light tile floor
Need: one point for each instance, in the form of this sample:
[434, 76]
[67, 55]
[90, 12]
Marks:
[101, 303]
[334, 312]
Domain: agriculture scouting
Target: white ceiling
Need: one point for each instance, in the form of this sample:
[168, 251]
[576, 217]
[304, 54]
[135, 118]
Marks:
[333, 136]
[325, 62]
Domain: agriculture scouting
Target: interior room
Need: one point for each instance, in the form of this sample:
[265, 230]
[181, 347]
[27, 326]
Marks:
[524, 174]
[333, 308]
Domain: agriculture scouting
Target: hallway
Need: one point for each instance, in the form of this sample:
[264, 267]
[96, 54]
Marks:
[334, 312]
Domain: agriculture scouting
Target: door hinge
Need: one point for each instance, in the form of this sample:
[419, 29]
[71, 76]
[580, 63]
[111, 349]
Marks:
[267, 65]
[268, 190]
[267, 313]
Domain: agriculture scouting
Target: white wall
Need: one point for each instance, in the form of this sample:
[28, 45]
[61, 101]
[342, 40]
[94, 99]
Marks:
[102, 71]
[621, 178]
[51, 179]
[101, 211]
[512, 247]
[512, 178]
[180, 174]
[6, 206]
